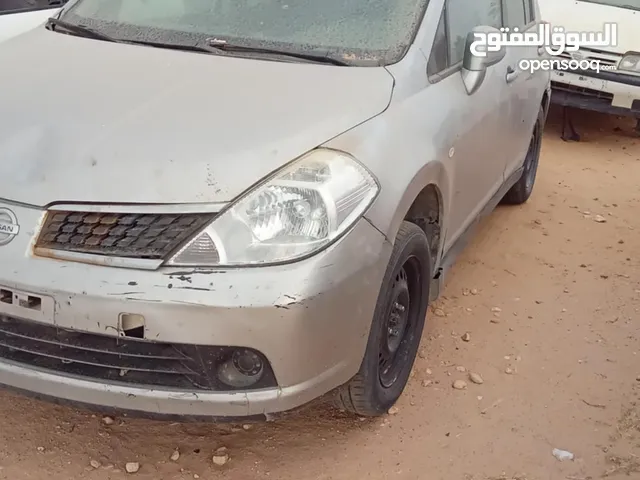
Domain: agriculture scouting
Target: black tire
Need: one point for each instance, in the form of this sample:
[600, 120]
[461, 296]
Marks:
[520, 192]
[376, 386]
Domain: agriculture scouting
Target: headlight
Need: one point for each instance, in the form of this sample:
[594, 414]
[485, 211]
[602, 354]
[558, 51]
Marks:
[300, 210]
[630, 63]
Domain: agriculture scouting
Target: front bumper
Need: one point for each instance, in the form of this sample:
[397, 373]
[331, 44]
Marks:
[606, 92]
[310, 319]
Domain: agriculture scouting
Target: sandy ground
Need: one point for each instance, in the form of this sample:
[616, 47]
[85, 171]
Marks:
[559, 361]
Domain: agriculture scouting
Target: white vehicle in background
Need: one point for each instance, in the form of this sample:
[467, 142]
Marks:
[614, 91]
[19, 16]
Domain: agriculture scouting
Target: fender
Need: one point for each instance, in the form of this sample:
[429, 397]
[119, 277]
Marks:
[380, 143]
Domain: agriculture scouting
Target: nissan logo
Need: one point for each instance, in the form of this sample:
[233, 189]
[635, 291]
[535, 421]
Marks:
[9, 227]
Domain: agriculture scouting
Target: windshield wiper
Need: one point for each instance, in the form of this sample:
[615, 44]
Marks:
[173, 46]
[79, 30]
[311, 57]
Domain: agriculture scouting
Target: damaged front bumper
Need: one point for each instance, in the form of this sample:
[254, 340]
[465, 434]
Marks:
[62, 334]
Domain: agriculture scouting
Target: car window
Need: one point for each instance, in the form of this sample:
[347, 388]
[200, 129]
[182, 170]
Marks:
[514, 13]
[439, 56]
[463, 16]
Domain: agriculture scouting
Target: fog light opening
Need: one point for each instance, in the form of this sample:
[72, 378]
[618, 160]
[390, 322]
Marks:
[243, 369]
[132, 325]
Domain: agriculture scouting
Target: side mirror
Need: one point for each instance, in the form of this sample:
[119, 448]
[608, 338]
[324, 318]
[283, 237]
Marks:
[477, 57]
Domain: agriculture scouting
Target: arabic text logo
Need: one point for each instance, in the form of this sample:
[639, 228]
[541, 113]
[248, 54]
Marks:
[554, 40]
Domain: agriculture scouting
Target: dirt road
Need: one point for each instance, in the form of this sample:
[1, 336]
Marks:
[549, 293]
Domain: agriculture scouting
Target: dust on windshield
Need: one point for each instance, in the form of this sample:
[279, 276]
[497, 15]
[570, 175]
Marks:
[356, 28]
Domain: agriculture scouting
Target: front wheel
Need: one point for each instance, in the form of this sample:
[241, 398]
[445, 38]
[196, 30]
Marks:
[396, 328]
[521, 190]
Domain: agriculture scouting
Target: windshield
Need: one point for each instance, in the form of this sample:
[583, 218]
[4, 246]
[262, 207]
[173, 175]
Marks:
[377, 31]
[629, 4]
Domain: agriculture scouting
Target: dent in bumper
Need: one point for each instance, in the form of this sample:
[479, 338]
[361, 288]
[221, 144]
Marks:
[311, 320]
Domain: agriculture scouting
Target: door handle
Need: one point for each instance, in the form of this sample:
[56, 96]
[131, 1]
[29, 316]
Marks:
[511, 74]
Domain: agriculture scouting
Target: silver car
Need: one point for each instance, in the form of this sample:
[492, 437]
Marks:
[228, 208]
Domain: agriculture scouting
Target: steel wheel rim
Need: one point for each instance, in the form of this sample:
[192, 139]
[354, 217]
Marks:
[401, 321]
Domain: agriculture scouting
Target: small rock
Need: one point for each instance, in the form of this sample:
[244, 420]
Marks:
[566, 290]
[175, 455]
[246, 426]
[465, 292]
[422, 354]
[496, 309]
[221, 457]
[474, 291]
[40, 449]
[620, 242]
[476, 378]
[466, 337]
[195, 475]
[393, 410]
[461, 369]
[459, 385]
[108, 420]
[638, 378]
[428, 371]
[600, 219]
[508, 371]
[438, 312]
[426, 383]
[95, 464]
[495, 320]
[562, 455]
[132, 467]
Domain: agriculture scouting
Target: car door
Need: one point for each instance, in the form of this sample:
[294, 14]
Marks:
[473, 126]
[525, 87]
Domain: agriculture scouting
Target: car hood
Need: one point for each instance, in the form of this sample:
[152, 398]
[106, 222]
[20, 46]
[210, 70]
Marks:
[91, 121]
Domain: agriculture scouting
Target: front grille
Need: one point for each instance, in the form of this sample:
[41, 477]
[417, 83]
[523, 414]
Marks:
[144, 236]
[117, 359]
[563, 87]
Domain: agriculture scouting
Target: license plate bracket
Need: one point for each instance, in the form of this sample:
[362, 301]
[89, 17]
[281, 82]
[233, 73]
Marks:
[27, 305]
